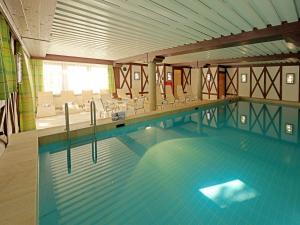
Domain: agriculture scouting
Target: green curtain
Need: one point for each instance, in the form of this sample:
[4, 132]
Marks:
[3, 84]
[111, 80]
[37, 74]
[26, 94]
[8, 74]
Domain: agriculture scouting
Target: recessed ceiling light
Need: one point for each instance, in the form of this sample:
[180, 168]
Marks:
[290, 45]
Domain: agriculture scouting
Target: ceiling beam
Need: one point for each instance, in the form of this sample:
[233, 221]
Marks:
[275, 57]
[286, 31]
[62, 58]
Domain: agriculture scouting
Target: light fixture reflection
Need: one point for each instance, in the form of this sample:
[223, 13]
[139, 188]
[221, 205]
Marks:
[147, 128]
[225, 194]
[243, 119]
[289, 128]
[208, 116]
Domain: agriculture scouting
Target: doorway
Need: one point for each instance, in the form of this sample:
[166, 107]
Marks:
[221, 85]
[177, 80]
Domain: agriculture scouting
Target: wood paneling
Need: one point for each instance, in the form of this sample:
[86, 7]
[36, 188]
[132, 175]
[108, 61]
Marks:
[126, 78]
[63, 58]
[258, 82]
[186, 78]
[272, 33]
[210, 86]
[233, 58]
[144, 80]
[232, 81]
[221, 85]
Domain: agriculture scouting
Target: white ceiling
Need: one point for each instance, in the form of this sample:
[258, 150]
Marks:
[260, 49]
[33, 20]
[114, 29]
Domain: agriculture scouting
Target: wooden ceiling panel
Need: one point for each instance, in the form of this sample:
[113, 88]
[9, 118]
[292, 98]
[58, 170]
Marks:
[246, 11]
[225, 9]
[117, 29]
[266, 11]
[286, 10]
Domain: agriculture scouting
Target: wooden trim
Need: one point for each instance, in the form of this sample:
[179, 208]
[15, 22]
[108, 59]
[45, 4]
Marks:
[249, 59]
[186, 78]
[62, 58]
[130, 68]
[164, 80]
[210, 84]
[206, 93]
[272, 84]
[238, 80]
[117, 77]
[144, 83]
[270, 33]
[250, 77]
[257, 82]
[125, 81]
[267, 64]
[231, 82]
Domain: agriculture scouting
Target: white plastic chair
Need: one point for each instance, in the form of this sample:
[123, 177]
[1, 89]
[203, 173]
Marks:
[190, 94]
[181, 95]
[69, 97]
[45, 105]
[87, 97]
[169, 96]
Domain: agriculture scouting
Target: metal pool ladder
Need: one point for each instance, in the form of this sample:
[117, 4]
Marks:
[94, 124]
[67, 121]
[93, 115]
[69, 165]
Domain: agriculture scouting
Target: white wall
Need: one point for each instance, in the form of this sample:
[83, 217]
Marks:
[195, 78]
[244, 88]
[136, 84]
[290, 92]
[214, 91]
[231, 75]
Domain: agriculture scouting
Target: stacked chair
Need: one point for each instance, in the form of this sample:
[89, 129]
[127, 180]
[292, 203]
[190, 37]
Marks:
[45, 105]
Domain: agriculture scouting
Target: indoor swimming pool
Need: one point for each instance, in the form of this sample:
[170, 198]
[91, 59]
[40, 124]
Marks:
[230, 164]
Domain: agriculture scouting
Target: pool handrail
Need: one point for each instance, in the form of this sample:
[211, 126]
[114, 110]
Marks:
[67, 119]
[93, 115]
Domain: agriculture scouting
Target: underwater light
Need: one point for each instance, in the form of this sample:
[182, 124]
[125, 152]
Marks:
[225, 194]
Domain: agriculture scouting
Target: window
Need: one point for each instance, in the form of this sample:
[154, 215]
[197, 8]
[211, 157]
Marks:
[60, 76]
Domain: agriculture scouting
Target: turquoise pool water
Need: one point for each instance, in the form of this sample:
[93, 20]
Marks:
[233, 164]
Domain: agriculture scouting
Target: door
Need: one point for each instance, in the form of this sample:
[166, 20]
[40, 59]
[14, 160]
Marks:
[221, 85]
[177, 80]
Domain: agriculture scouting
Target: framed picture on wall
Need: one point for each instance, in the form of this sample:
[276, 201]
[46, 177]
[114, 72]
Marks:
[169, 76]
[290, 78]
[136, 76]
[244, 78]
